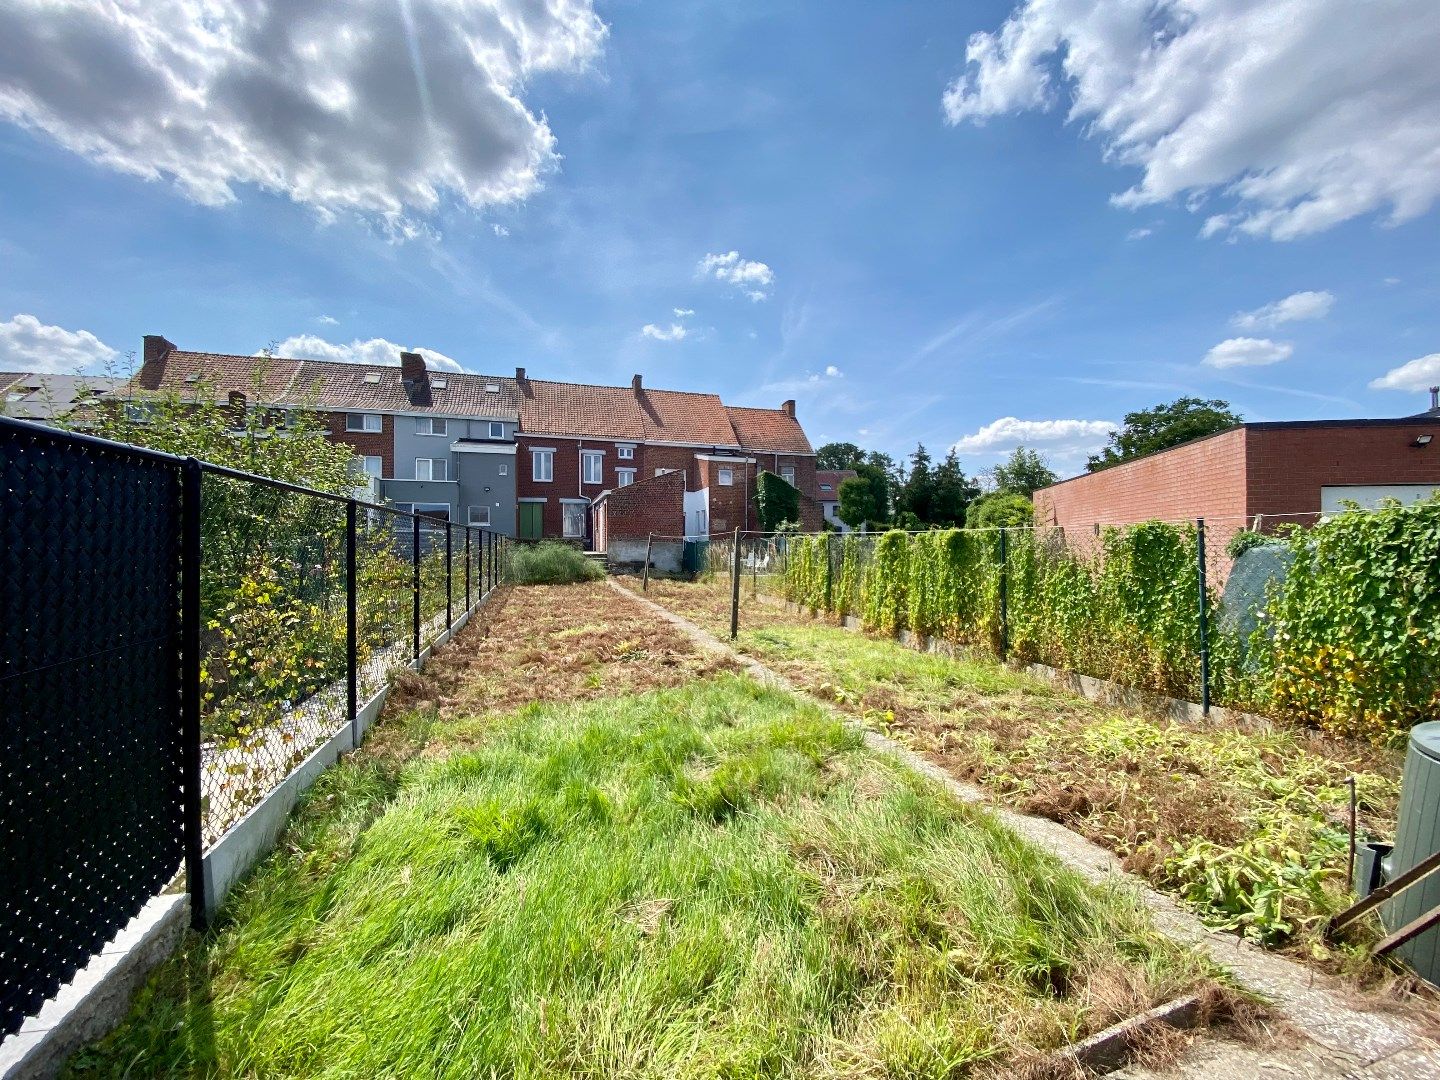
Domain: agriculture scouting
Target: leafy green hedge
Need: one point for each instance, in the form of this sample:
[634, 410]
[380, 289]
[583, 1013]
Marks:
[1348, 641]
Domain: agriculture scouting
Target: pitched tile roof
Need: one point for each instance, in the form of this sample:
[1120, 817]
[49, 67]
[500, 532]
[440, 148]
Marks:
[769, 429]
[619, 412]
[833, 477]
[44, 396]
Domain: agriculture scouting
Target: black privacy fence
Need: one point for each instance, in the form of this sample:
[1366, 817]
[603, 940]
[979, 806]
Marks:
[1331, 620]
[175, 639]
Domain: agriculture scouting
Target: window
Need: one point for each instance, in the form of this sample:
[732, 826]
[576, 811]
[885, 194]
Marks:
[725, 477]
[624, 477]
[372, 466]
[592, 466]
[574, 521]
[824, 487]
[429, 468]
[479, 515]
[430, 425]
[362, 421]
[625, 453]
[437, 511]
[787, 473]
[497, 429]
[542, 465]
[504, 468]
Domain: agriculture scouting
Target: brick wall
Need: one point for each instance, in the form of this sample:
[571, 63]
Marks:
[1289, 464]
[656, 505]
[379, 444]
[1202, 478]
[731, 507]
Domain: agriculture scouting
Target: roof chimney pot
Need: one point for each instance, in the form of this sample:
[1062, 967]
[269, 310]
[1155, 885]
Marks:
[788, 408]
[1435, 397]
[415, 378]
[636, 384]
[519, 374]
[157, 348]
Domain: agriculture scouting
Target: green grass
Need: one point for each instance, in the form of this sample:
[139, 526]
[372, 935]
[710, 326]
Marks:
[712, 881]
[551, 563]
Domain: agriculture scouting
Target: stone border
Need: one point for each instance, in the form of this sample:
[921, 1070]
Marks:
[98, 998]
[1372, 1039]
[1108, 1050]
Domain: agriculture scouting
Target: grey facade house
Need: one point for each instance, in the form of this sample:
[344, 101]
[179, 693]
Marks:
[461, 465]
[29, 395]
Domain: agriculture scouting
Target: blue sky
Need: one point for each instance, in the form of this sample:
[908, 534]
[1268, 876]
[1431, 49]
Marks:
[927, 249]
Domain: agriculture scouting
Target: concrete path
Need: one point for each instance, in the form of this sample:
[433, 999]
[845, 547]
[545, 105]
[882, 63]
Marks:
[1337, 1032]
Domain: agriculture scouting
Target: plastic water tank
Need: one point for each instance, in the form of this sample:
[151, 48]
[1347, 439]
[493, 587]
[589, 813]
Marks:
[1417, 834]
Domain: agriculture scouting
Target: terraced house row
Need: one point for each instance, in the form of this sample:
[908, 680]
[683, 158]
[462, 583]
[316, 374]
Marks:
[533, 458]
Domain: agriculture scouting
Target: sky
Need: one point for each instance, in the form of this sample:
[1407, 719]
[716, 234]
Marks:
[972, 224]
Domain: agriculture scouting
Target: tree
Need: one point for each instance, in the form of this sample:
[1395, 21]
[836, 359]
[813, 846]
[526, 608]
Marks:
[953, 493]
[917, 494]
[839, 455]
[1000, 509]
[1023, 473]
[864, 498]
[1161, 427]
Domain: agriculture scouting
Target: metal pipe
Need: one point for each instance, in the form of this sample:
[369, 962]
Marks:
[190, 555]
[1004, 594]
[467, 569]
[1204, 619]
[415, 584]
[352, 692]
[735, 588]
[449, 576]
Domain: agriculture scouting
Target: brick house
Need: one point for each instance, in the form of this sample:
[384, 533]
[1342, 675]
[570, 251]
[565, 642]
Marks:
[1282, 471]
[528, 457]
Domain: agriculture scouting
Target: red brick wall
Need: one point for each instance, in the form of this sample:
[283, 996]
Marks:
[656, 505]
[379, 444]
[1287, 466]
[1205, 478]
[731, 507]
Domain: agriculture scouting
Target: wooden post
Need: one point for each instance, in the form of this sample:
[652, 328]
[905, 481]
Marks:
[735, 588]
[645, 573]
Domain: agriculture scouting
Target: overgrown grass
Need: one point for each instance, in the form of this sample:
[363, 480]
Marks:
[1247, 825]
[551, 563]
[710, 881]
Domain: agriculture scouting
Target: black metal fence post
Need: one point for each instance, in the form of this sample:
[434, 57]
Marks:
[1004, 594]
[449, 583]
[352, 674]
[190, 552]
[1204, 617]
[489, 561]
[645, 570]
[415, 582]
[828, 574]
[735, 589]
[468, 531]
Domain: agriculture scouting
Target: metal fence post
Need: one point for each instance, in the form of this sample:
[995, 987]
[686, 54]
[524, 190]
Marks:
[735, 588]
[828, 573]
[190, 553]
[1004, 594]
[415, 582]
[1204, 617]
[468, 531]
[645, 571]
[352, 675]
[449, 576]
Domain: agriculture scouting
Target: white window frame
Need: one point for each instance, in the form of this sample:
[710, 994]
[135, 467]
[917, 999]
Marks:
[624, 477]
[787, 473]
[365, 419]
[366, 459]
[497, 429]
[725, 477]
[542, 466]
[625, 453]
[504, 468]
[430, 463]
[592, 466]
[567, 508]
[470, 516]
[425, 425]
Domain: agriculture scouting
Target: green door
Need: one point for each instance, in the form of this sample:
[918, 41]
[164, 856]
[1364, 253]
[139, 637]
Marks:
[531, 516]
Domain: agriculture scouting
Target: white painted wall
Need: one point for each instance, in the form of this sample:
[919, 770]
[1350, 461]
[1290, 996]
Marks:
[1370, 496]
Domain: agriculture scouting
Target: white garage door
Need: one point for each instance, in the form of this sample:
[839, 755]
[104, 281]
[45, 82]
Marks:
[1332, 499]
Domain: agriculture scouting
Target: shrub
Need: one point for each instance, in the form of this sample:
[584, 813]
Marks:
[999, 510]
[551, 563]
[885, 583]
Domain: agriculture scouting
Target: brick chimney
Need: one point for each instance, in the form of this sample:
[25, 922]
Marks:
[1434, 398]
[236, 406]
[788, 408]
[415, 378]
[157, 348]
[636, 383]
[519, 374]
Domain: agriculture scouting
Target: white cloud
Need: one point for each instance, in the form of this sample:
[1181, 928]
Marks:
[499, 230]
[1419, 374]
[683, 312]
[1294, 308]
[674, 332]
[1298, 114]
[377, 351]
[374, 106]
[752, 278]
[1392, 281]
[1247, 352]
[1138, 234]
[1055, 436]
[327, 320]
[27, 344]
[834, 372]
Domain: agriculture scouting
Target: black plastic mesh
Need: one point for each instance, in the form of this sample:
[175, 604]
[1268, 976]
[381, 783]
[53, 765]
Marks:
[91, 767]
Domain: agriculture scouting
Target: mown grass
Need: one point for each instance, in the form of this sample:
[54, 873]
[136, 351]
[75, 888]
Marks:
[1246, 824]
[716, 880]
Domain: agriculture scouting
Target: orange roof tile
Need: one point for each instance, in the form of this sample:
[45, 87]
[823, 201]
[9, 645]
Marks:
[769, 429]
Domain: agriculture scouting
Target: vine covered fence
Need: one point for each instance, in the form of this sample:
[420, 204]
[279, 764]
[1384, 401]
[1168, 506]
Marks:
[1334, 624]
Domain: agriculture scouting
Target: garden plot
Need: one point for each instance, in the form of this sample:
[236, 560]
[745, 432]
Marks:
[708, 878]
[1248, 826]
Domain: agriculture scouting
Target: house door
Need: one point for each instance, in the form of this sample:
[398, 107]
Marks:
[531, 517]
